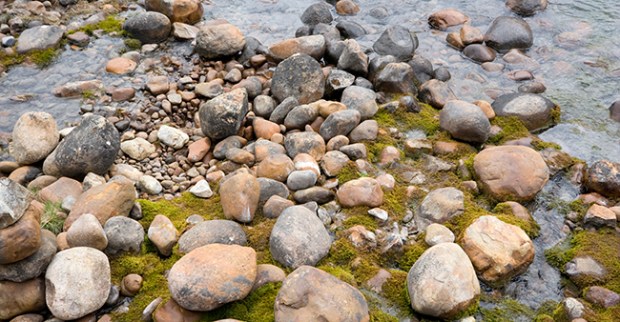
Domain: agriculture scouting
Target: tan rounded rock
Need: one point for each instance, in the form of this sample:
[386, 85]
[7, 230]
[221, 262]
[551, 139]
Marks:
[276, 167]
[22, 238]
[35, 135]
[131, 284]
[20, 298]
[87, 231]
[360, 192]
[264, 129]
[120, 66]
[171, 311]
[239, 195]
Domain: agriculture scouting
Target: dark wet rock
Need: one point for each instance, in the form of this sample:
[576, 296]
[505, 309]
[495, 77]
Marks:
[604, 177]
[397, 41]
[319, 195]
[14, 201]
[337, 81]
[281, 110]
[355, 151]
[422, 68]
[334, 50]
[361, 99]
[331, 33]
[350, 29]
[231, 142]
[396, 78]
[304, 30]
[216, 41]
[479, 53]
[301, 115]
[465, 121]
[299, 238]
[317, 13]
[535, 111]
[91, 147]
[39, 38]
[222, 116]
[445, 18]
[308, 294]
[436, 93]
[353, 59]
[313, 46]
[442, 74]
[526, 8]
[535, 87]
[270, 187]
[212, 232]
[299, 76]
[339, 123]
[506, 33]
[252, 48]
[442, 282]
[149, 27]
[614, 111]
[184, 11]
[33, 265]
[378, 63]
[124, 234]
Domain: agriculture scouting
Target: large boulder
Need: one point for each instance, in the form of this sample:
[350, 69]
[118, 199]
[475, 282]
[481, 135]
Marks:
[219, 40]
[39, 38]
[604, 177]
[23, 238]
[185, 11]
[535, 111]
[310, 294]
[33, 265]
[14, 200]
[442, 282]
[396, 41]
[498, 250]
[148, 27]
[299, 238]
[299, 76]
[35, 136]
[90, 147]
[223, 115]
[212, 275]
[439, 206]
[212, 232]
[465, 121]
[506, 33]
[240, 194]
[360, 192]
[83, 266]
[115, 198]
[515, 173]
[20, 298]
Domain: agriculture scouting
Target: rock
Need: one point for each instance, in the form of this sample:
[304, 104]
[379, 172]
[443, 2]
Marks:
[33, 265]
[35, 135]
[221, 40]
[304, 142]
[198, 149]
[339, 123]
[212, 275]
[120, 66]
[299, 180]
[84, 264]
[275, 205]
[222, 116]
[14, 201]
[573, 309]
[360, 192]
[239, 197]
[445, 18]
[604, 177]
[499, 251]
[172, 137]
[360, 99]
[163, 234]
[506, 33]
[23, 238]
[396, 41]
[353, 59]
[535, 111]
[131, 284]
[300, 116]
[396, 79]
[366, 130]
[20, 298]
[313, 46]
[138, 148]
[436, 93]
[150, 185]
[439, 206]
[267, 273]
[281, 111]
[465, 121]
[184, 31]
[479, 53]
[442, 282]
[470, 35]
[91, 147]
[171, 311]
[126, 171]
[319, 195]
[212, 232]
[86, 231]
[614, 111]
[515, 173]
[115, 198]
[25, 174]
[201, 189]
[317, 13]
[185, 11]
[264, 129]
[526, 8]
[337, 81]
[299, 238]
[308, 294]
[270, 187]
[149, 27]
[39, 38]
[602, 296]
[299, 76]
[437, 234]
[584, 268]
[264, 105]
[124, 235]
[277, 167]
[599, 216]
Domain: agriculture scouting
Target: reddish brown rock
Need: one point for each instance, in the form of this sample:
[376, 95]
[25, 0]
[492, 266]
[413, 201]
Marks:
[240, 194]
[173, 312]
[276, 167]
[22, 238]
[20, 298]
[347, 8]
[120, 66]
[60, 189]
[185, 11]
[198, 150]
[445, 18]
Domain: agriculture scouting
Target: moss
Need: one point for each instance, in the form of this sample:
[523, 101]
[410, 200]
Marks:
[411, 253]
[540, 145]
[132, 44]
[602, 246]
[556, 114]
[257, 306]
[504, 213]
[359, 216]
[395, 291]
[43, 58]
[10, 60]
[88, 94]
[50, 219]
[508, 310]
[110, 25]
[258, 238]
[512, 128]
[347, 173]
[426, 120]
[579, 207]
[341, 253]
[395, 202]
[339, 272]
[557, 256]
[599, 314]
[380, 316]
[177, 210]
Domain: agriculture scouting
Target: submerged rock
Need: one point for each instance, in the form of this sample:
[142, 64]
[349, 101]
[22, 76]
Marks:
[506, 33]
[149, 27]
[535, 111]
[526, 8]
[185, 11]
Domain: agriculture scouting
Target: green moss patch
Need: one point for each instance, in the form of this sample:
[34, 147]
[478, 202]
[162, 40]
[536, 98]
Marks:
[426, 120]
[41, 58]
[347, 173]
[512, 128]
[359, 216]
[508, 310]
[257, 306]
[177, 210]
[110, 25]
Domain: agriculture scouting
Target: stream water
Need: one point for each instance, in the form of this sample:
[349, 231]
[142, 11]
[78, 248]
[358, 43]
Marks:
[574, 54]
